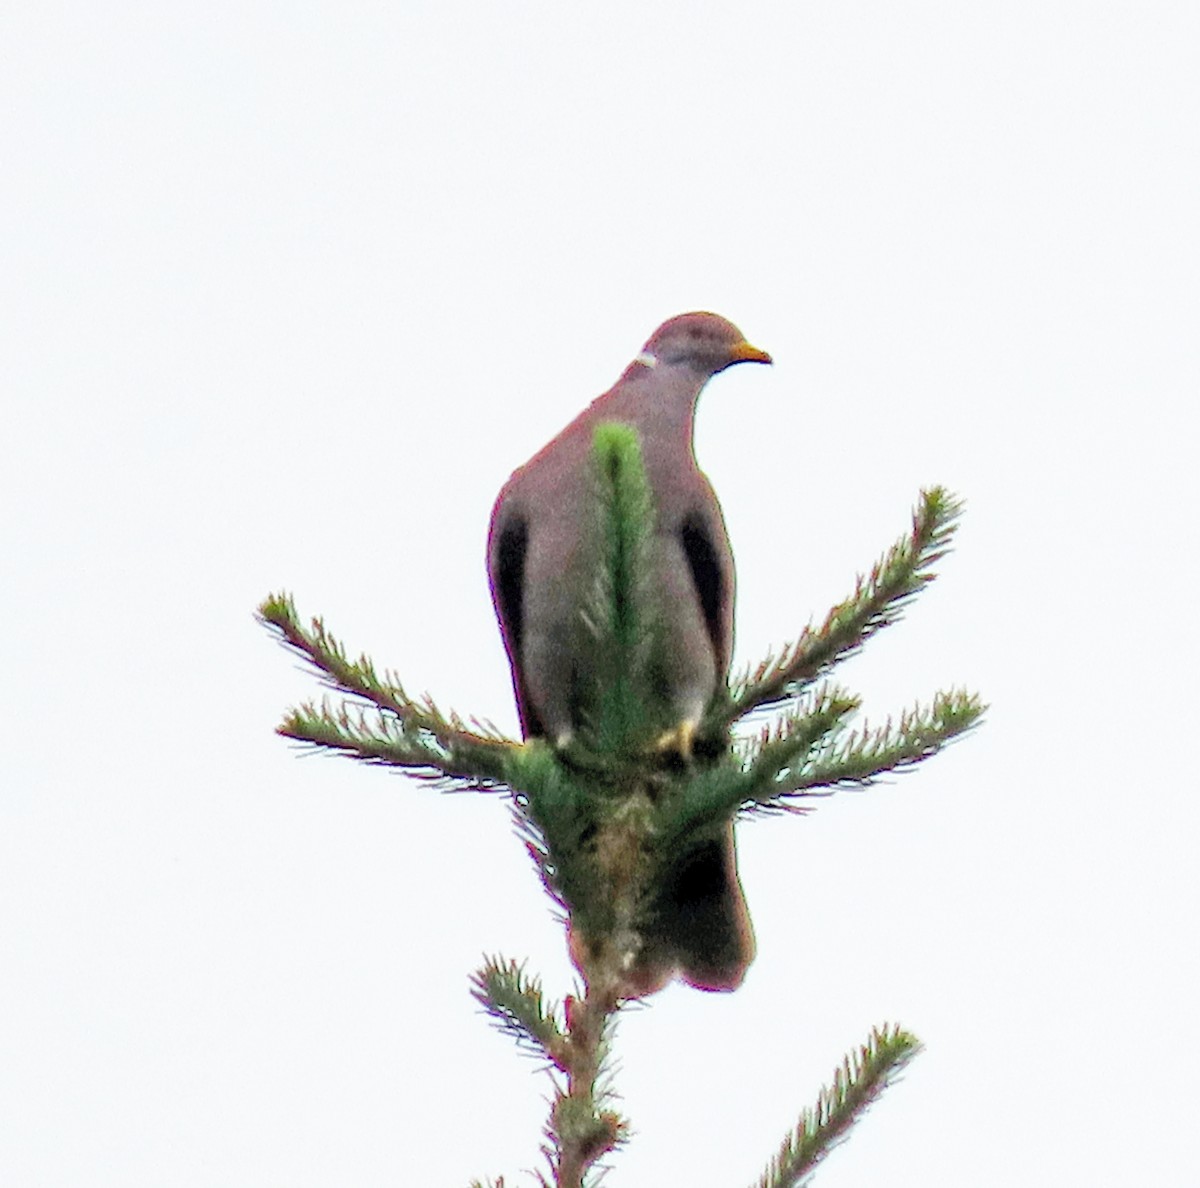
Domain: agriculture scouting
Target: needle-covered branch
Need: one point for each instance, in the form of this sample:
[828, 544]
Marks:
[861, 1078]
[617, 714]
[749, 778]
[405, 733]
[515, 1002]
[583, 1126]
[877, 602]
[620, 815]
[780, 772]
[792, 741]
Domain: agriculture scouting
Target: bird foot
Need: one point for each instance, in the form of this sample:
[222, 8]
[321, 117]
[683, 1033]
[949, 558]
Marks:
[678, 741]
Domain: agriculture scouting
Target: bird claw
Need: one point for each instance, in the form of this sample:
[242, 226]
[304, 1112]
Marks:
[678, 741]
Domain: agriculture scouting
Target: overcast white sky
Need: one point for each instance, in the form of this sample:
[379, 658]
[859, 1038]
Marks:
[289, 289]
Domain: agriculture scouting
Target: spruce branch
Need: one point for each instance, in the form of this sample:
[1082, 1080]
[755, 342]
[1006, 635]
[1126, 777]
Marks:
[621, 616]
[583, 1126]
[863, 1075]
[746, 779]
[348, 730]
[407, 733]
[558, 817]
[796, 739]
[866, 754]
[622, 592]
[515, 1002]
[612, 818]
[877, 602]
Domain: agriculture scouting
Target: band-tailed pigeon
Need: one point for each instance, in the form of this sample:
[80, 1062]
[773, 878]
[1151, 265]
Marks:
[541, 520]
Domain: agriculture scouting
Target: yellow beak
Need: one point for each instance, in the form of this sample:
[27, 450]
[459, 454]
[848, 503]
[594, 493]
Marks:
[745, 353]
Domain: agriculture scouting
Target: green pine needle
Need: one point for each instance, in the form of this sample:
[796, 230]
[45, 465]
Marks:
[621, 613]
[628, 522]
[866, 754]
[604, 818]
[557, 819]
[403, 733]
[795, 740]
[863, 1075]
[515, 1002]
[876, 603]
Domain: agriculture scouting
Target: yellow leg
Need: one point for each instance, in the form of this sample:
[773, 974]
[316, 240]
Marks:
[679, 740]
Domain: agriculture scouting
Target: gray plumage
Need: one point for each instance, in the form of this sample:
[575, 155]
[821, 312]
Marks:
[540, 573]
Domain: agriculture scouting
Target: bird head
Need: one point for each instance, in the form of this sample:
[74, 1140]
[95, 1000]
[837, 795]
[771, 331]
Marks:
[704, 342]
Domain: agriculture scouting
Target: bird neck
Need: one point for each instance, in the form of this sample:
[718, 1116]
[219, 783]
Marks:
[660, 403]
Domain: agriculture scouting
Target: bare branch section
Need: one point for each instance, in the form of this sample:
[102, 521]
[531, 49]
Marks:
[404, 732]
[876, 603]
[861, 1078]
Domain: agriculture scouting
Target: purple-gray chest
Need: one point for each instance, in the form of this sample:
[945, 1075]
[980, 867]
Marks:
[542, 560]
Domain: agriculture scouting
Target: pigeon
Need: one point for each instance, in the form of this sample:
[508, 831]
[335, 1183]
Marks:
[699, 928]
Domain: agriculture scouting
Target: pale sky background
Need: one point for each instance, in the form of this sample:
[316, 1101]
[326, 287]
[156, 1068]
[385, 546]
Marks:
[289, 289]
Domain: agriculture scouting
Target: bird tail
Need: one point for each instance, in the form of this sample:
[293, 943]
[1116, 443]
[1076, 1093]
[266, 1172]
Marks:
[699, 925]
